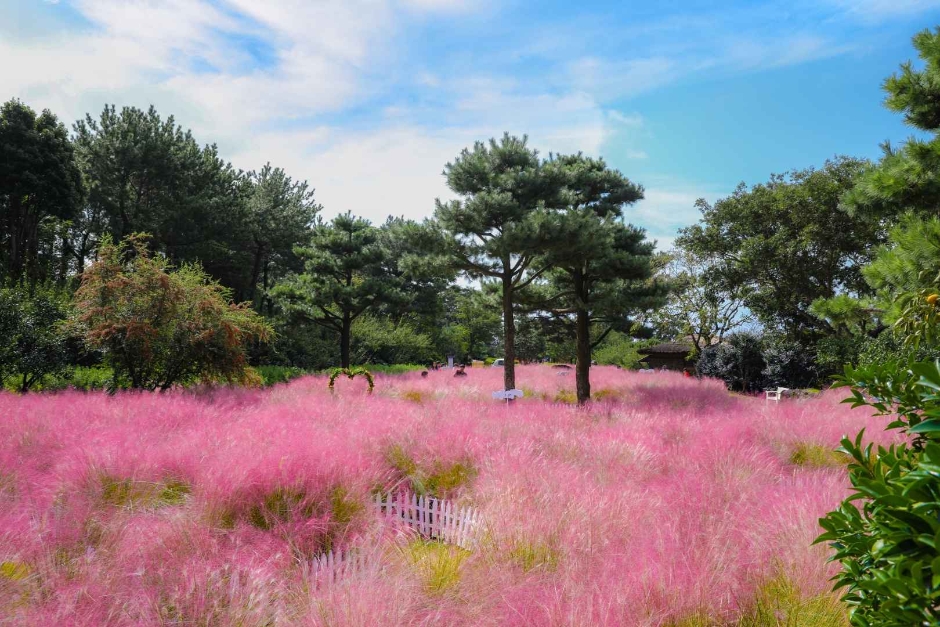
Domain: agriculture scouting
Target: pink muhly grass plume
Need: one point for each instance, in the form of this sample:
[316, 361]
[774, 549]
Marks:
[666, 498]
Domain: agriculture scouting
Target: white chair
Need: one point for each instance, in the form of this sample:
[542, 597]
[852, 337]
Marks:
[777, 394]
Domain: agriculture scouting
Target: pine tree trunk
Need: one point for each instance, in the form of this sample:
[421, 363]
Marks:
[583, 366]
[344, 340]
[509, 336]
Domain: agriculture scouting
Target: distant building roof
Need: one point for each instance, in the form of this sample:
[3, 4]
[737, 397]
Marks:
[666, 348]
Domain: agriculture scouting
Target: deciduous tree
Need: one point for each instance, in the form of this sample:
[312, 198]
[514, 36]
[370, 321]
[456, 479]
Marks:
[158, 326]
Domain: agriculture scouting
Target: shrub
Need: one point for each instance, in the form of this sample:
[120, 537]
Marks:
[738, 362]
[888, 347]
[158, 326]
[379, 340]
[34, 344]
[272, 375]
[887, 543]
[788, 364]
[621, 350]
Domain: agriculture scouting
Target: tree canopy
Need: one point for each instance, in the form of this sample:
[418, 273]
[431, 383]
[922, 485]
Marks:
[40, 187]
[789, 242]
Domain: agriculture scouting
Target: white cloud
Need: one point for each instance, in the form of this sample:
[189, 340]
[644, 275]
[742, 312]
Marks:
[665, 209]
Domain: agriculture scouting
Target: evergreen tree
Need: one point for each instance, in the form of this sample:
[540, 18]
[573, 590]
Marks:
[39, 184]
[496, 229]
[907, 179]
[344, 277]
[147, 174]
[281, 214]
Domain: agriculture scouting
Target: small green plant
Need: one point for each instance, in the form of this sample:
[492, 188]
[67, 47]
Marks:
[272, 375]
[812, 455]
[531, 555]
[132, 493]
[351, 373]
[779, 603]
[438, 564]
[567, 397]
[280, 505]
[14, 571]
[440, 480]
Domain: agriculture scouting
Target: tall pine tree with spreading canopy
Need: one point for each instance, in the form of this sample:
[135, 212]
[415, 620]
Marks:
[345, 276]
[496, 229]
[600, 268]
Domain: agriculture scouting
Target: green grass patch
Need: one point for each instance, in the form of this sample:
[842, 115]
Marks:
[568, 397]
[132, 493]
[440, 480]
[272, 375]
[531, 555]
[779, 604]
[14, 571]
[438, 564]
[815, 456]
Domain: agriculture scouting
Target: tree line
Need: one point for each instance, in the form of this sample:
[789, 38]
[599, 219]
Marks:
[540, 240]
[779, 283]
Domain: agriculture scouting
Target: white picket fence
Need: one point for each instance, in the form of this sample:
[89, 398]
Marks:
[328, 568]
[429, 517]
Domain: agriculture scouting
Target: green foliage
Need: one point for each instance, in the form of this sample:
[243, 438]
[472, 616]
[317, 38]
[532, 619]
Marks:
[619, 349]
[438, 564]
[906, 179]
[888, 347]
[470, 324]
[132, 493]
[497, 228]
[698, 308]
[790, 242]
[531, 555]
[272, 375]
[345, 277]
[40, 185]
[149, 175]
[439, 480]
[34, 342]
[157, 326]
[889, 544]
[738, 362]
[816, 456]
[380, 340]
[779, 603]
[600, 268]
[788, 363]
[281, 214]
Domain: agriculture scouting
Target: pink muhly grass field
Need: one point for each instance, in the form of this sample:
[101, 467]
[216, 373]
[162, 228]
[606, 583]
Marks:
[668, 500]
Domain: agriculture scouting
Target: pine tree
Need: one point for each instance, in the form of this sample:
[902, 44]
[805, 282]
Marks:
[497, 228]
[908, 178]
[601, 268]
[344, 278]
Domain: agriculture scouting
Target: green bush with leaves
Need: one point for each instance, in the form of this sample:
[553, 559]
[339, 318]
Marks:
[158, 326]
[739, 362]
[886, 534]
[34, 344]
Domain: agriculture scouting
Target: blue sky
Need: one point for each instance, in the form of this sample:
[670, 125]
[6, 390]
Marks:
[368, 99]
